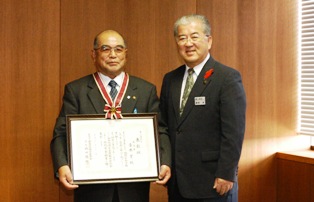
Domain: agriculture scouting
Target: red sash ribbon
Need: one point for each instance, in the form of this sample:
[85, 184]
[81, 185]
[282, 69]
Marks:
[112, 107]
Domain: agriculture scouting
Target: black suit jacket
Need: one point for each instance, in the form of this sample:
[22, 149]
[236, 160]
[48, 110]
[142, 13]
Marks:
[207, 139]
[82, 96]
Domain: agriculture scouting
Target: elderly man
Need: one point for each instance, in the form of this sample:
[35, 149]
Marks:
[202, 106]
[85, 96]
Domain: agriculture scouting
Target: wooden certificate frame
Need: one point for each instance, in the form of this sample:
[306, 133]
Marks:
[104, 150]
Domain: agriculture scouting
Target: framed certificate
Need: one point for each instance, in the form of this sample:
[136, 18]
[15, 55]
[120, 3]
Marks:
[113, 150]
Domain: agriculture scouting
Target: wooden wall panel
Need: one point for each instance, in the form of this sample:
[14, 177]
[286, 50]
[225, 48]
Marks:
[29, 62]
[41, 52]
[147, 28]
[150, 37]
[223, 17]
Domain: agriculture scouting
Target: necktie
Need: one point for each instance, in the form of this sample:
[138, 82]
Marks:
[188, 86]
[113, 91]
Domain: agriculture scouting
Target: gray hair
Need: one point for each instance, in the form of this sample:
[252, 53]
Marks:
[187, 19]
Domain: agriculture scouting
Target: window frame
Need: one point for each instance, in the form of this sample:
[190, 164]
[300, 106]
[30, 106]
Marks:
[306, 68]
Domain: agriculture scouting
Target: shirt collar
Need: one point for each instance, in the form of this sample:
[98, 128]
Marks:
[198, 68]
[118, 79]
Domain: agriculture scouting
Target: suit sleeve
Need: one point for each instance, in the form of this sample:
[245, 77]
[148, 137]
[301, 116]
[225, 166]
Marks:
[232, 114]
[58, 144]
[165, 148]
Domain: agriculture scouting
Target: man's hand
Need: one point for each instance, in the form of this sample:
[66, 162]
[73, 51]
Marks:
[222, 186]
[164, 175]
[65, 177]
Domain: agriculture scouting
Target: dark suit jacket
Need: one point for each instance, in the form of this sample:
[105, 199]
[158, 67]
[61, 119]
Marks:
[83, 97]
[207, 139]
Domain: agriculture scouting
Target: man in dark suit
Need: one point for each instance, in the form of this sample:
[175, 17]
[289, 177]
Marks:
[202, 106]
[90, 95]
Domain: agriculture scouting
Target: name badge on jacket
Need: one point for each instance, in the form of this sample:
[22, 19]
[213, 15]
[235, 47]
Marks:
[200, 100]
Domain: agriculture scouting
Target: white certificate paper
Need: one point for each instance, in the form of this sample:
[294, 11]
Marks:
[109, 151]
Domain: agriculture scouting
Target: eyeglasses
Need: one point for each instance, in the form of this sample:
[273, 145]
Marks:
[183, 39]
[107, 49]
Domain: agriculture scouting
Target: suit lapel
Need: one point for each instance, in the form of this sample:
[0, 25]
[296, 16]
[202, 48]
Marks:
[95, 97]
[128, 102]
[130, 97]
[176, 89]
[198, 88]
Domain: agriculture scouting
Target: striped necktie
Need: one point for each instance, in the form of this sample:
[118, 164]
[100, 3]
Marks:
[113, 92]
[188, 87]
